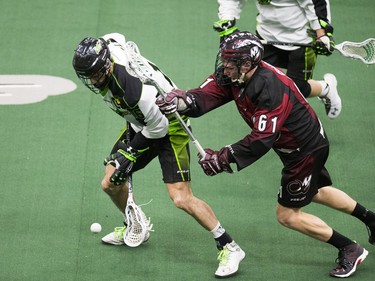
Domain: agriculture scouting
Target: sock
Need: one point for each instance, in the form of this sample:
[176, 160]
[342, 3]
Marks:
[339, 241]
[218, 230]
[325, 89]
[221, 236]
[364, 215]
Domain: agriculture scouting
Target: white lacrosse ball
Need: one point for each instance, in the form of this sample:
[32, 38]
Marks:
[95, 227]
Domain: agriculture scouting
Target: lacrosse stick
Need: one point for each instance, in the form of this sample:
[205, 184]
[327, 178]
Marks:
[364, 51]
[138, 225]
[146, 71]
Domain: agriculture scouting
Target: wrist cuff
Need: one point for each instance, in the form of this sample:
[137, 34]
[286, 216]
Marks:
[228, 31]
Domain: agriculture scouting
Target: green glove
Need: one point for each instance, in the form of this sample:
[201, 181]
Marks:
[123, 160]
[225, 27]
[325, 45]
[327, 27]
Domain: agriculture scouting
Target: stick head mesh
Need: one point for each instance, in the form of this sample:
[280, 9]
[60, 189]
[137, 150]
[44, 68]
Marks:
[138, 226]
[364, 51]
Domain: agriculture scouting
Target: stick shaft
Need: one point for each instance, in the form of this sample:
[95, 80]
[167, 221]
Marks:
[145, 71]
[130, 186]
[182, 122]
[130, 178]
[265, 42]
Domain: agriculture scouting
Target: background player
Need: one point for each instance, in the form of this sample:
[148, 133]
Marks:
[310, 23]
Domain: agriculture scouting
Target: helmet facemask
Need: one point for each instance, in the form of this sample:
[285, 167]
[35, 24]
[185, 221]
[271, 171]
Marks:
[92, 64]
[99, 81]
[225, 80]
[239, 49]
[221, 78]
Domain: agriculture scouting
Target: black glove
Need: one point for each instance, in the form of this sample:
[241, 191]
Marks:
[325, 45]
[225, 27]
[215, 162]
[123, 160]
[176, 100]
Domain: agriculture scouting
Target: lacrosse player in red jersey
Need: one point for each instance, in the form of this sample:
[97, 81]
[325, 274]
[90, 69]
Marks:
[101, 64]
[304, 21]
[281, 119]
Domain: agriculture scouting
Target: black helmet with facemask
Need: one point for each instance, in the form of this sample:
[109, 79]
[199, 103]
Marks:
[92, 63]
[239, 48]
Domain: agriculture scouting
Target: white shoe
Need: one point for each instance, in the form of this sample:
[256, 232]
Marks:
[116, 237]
[230, 258]
[332, 100]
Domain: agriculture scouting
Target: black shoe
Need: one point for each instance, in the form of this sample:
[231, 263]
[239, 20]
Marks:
[371, 233]
[348, 260]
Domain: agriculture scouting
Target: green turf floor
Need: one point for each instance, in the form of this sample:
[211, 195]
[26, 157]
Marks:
[51, 152]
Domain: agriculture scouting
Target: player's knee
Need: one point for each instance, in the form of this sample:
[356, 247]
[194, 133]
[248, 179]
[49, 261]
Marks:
[286, 218]
[181, 195]
[109, 188]
[180, 202]
[285, 221]
[105, 185]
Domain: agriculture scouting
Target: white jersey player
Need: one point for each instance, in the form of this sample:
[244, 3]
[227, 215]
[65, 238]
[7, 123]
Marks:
[299, 21]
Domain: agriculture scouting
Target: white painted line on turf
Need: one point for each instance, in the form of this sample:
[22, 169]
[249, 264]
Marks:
[25, 89]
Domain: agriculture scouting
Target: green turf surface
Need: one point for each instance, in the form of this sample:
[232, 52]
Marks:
[52, 151]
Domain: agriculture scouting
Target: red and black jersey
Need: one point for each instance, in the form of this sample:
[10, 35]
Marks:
[274, 108]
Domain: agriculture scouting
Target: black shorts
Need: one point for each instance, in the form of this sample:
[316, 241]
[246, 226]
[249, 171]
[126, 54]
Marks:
[299, 64]
[173, 153]
[300, 183]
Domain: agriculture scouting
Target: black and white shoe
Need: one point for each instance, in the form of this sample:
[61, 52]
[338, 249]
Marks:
[332, 100]
[371, 233]
[348, 260]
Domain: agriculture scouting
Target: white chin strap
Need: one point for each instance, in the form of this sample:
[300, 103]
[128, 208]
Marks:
[240, 80]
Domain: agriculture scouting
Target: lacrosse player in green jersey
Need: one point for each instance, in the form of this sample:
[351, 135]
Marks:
[101, 64]
[309, 23]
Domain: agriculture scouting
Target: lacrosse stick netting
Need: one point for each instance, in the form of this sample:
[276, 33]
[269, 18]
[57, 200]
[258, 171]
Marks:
[137, 230]
[364, 51]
